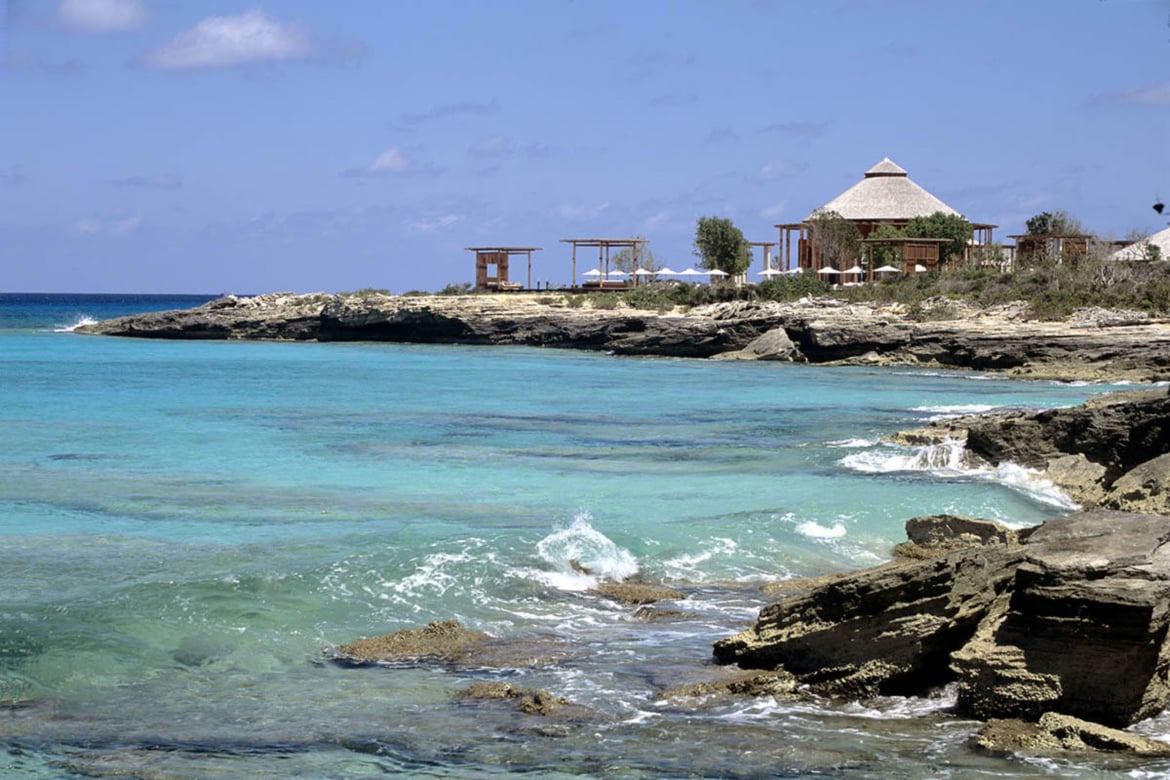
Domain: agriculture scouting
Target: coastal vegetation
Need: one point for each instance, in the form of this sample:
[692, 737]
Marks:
[721, 246]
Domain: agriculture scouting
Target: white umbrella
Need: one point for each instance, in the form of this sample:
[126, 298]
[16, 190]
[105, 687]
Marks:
[854, 270]
[645, 272]
[717, 272]
[690, 272]
[794, 271]
[618, 274]
[770, 272]
[919, 269]
[887, 269]
[667, 272]
[828, 269]
[592, 272]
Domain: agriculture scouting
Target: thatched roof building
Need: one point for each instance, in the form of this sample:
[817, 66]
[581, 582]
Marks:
[885, 195]
[1138, 249]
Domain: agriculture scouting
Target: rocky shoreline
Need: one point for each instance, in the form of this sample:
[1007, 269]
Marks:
[1057, 636]
[1094, 346]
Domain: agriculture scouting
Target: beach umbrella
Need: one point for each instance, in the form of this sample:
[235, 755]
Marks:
[618, 274]
[667, 272]
[592, 272]
[828, 270]
[919, 269]
[794, 271]
[887, 269]
[690, 272]
[770, 272]
[645, 272]
[717, 272]
[854, 270]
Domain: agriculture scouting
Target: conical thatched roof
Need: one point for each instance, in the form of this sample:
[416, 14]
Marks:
[1137, 250]
[886, 193]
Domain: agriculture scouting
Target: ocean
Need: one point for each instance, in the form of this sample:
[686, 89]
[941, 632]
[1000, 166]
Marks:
[187, 529]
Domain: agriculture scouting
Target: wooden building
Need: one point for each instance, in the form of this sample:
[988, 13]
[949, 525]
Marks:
[886, 195]
[491, 267]
[606, 277]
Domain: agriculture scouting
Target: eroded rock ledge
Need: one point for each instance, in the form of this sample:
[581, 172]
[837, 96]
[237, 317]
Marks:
[1069, 617]
[814, 330]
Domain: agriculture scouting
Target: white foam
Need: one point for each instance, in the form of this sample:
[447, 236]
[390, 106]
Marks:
[948, 459]
[592, 550]
[83, 319]
[853, 443]
[953, 410]
[814, 530]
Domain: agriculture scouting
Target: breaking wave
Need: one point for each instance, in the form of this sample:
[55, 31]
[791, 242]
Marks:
[581, 556]
[83, 319]
[948, 459]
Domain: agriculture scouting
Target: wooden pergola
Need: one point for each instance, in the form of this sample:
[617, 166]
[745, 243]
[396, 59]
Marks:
[915, 253]
[487, 256]
[603, 246]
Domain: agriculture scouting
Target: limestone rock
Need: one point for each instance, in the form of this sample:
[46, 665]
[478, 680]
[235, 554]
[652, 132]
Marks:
[1144, 488]
[937, 535]
[442, 640]
[638, 592]
[772, 345]
[1055, 732]
[1072, 619]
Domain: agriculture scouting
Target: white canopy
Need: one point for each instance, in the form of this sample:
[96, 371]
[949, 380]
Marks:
[887, 269]
[645, 272]
[717, 272]
[690, 272]
[770, 272]
[828, 269]
[854, 270]
[667, 272]
[592, 272]
[919, 269]
[618, 274]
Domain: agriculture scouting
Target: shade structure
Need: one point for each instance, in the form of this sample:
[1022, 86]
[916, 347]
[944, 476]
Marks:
[592, 272]
[794, 271]
[690, 272]
[828, 270]
[717, 272]
[770, 272]
[618, 274]
[887, 269]
[919, 269]
[645, 272]
[854, 270]
[667, 272]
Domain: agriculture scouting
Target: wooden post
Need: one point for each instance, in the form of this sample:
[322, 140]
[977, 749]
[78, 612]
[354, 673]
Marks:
[574, 283]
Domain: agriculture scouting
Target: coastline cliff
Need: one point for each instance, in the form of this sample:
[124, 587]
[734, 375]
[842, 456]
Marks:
[1093, 346]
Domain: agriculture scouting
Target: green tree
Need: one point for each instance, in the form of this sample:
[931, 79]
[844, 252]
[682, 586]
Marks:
[836, 239]
[627, 262]
[1054, 223]
[953, 227]
[720, 245]
[886, 255]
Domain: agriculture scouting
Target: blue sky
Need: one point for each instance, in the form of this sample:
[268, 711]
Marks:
[229, 145]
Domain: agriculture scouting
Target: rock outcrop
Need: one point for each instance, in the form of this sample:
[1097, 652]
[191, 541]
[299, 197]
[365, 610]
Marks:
[1054, 733]
[448, 643]
[1111, 452]
[1071, 617]
[814, 330]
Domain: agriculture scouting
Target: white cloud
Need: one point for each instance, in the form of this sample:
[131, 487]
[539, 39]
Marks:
[224, 41]
[774, 211]
[778, 169]
[390, 161]
[435, 224]
[491, 146]
[101, 16]
[1153, 95]
[116, 225]
[578, 213]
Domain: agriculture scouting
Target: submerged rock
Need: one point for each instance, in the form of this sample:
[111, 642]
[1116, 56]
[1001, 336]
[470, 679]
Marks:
[447, 642]
[1072, 619]
[527, 700]
[638, 592]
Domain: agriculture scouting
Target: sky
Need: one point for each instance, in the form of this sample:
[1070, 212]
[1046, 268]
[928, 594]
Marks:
[166, 146]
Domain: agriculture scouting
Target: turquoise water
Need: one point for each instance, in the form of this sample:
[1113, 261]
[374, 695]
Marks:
[186, 528]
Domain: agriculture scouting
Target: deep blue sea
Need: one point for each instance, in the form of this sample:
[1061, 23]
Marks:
[187, 528]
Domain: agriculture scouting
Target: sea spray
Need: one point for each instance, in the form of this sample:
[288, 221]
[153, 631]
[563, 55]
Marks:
[582, 555]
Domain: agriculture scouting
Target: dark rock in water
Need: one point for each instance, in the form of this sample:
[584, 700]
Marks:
[936, 535]
[1073, 619]
[527, 700]
[638, 592]
[1054, 732]
[443, 640]
[447, 642]
[779, 684]
[655, 614]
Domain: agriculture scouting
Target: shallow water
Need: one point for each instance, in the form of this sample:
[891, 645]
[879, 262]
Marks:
[186, 528]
